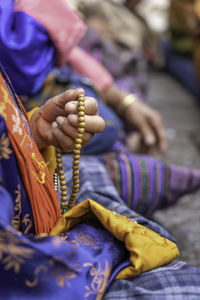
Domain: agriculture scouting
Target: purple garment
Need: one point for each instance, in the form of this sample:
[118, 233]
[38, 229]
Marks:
[26, 51]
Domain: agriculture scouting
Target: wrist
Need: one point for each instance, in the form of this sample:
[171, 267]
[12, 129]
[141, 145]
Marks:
[127, 101]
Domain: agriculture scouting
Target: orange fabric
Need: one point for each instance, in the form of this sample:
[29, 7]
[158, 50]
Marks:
[35, 175]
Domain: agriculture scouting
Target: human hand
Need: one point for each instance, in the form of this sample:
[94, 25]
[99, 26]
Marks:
[148, 133]
[56, 122]
[148, 122]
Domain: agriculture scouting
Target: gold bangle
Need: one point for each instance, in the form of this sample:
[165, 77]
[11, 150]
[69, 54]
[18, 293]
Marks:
[127, 101]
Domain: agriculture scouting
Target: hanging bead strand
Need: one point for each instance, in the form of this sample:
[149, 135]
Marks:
[76, 160]
[77, 150]
[63, 186]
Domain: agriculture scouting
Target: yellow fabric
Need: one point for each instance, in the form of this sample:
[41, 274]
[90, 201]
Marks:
[147, 248]
[48, 153]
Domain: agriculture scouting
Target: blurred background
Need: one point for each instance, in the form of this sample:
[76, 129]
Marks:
[156, 44]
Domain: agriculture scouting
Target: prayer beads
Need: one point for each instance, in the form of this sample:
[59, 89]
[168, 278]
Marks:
[76, 156]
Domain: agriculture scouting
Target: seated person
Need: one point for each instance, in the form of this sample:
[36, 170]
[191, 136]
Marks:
[30, 51]
[35, 261]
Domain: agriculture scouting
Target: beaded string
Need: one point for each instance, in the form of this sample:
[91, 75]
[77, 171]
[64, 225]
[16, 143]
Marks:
[59, 174]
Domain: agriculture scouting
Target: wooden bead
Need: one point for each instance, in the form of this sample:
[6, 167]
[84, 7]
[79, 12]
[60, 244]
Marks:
[76, 181]
[82, 125]
[62, 182]
[75, 167]
[58, 160]
[81, 103]
[75, 176]
[73, 196]
[76, 162]
[75, 172]
[76, 186]
[63, 188]
[62, 205]
[81, 130]
[77, 146]
[59, 165]
[64, 199]
[63, 193]
[76, 156]
[75, 192]
[76, 151]
[78, 141]
[62, 177]
[60, 172]
[81, 108]
[81, 114]
[81, 119]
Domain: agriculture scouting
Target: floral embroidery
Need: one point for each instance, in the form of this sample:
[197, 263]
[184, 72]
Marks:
[62, 273]
[16, 121]
[2, 110]
[27, 222]
[42, 165]
[5, 96]
[5, 151]
[37, 271]
[87, 239]
[99, 281]
[16, 222]
[13, 255]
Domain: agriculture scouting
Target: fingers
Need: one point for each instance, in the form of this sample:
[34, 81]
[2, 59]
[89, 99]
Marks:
[69, 95]
[158, 127]
[63, 135]
[91, 106]
[148, 134]
[93, 124]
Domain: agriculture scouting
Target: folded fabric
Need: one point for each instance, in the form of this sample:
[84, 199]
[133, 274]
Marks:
[148, 250]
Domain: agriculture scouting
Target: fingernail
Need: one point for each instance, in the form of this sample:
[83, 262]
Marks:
[54, 125]
[80, 90]
[150, 140]
[59, 120]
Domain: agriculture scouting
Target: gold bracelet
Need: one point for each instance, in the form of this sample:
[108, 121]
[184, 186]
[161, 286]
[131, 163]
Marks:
[127, 101]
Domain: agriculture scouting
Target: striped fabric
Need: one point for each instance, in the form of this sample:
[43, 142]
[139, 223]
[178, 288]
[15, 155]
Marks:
[145, 183]
[175, 281]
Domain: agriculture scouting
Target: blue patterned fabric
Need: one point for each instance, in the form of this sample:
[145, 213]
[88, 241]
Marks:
[48, 267]
[27, 53]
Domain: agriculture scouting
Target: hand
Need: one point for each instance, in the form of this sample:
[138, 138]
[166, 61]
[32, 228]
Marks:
[149, 124]
[149, 133]
[56, 122]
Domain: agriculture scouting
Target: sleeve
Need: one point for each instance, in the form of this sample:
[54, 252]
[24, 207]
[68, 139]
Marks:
[86, 65]
[27, 53]
[34, 36]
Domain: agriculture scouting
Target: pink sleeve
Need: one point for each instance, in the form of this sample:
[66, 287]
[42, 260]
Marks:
[86, 65]
[62, 23]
